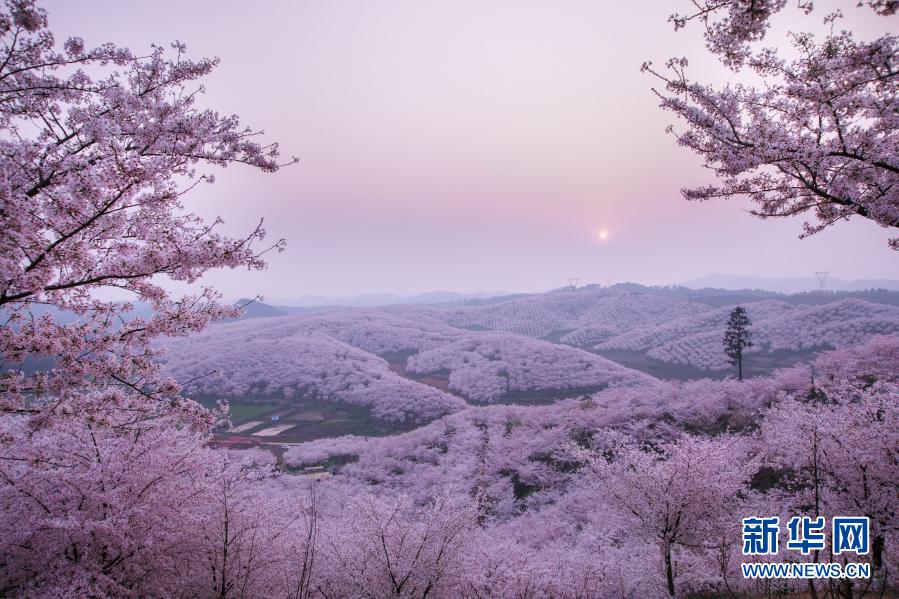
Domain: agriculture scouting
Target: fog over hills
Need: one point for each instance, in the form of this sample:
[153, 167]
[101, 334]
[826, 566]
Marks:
[724, 281]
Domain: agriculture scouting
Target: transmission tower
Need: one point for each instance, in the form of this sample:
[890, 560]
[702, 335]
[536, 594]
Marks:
[573, 283]
[821, 275]
[608, 281]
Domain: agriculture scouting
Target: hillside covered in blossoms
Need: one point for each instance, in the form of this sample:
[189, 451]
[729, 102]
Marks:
[637, 438]
[417, 363]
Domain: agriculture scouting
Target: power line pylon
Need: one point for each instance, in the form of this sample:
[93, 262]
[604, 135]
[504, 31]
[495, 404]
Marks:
[821, 275]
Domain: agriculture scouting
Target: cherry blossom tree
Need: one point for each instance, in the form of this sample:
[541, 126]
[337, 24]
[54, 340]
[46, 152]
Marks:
[97, 507]
[390, 547]
[103, 469]
[817, 134]
[114, 507]
[838, 452]
[99, 147]
[251, 540]
[684, 497]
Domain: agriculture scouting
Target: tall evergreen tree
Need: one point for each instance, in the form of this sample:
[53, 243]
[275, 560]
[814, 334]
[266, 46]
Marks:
[736, 337]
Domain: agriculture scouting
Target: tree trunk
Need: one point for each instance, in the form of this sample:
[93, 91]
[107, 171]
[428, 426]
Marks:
[812, 591]
[669, 570]
[877, 552]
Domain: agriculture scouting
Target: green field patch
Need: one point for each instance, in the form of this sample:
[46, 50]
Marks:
[242, 410]
[299, 420]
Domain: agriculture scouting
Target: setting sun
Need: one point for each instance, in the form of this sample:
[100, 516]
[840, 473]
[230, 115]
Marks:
[602, 234]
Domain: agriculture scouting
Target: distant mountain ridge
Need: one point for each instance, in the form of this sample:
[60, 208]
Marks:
[257, 309]
[787, 284]
[370, 300]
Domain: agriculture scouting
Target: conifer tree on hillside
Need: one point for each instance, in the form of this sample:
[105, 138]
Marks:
[736, 337]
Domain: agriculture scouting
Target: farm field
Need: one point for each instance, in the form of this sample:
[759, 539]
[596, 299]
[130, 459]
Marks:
[297, 422]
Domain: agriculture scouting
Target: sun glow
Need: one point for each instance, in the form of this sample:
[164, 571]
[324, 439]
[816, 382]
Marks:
[602, 234]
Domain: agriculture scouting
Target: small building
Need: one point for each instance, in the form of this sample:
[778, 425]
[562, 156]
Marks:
[276, 418]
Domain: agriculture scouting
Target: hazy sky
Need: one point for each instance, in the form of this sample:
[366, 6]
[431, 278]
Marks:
[467, 145]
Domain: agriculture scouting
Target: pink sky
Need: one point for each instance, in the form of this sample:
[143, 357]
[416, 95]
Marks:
[467, 145]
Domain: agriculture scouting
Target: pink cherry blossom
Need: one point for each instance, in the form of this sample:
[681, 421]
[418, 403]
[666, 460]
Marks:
[817, 135]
